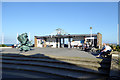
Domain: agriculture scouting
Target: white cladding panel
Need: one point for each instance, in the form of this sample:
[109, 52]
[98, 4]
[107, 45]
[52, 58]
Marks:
[78, 38]
[76, 43]
[51, 40]
[91, 38]
[53, 44]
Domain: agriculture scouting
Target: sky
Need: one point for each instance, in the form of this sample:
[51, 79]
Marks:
[42, 18]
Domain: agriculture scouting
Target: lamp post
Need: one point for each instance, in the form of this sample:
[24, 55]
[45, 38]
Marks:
[17, 37]
[29, 36]
[2, 38]
[91, 34]
[118, 35]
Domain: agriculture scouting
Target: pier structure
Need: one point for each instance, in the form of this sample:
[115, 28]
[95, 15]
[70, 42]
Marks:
[58, 41]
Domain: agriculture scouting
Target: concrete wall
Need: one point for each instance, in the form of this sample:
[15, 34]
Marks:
[99, 39]
[35, 42]
[115, 67]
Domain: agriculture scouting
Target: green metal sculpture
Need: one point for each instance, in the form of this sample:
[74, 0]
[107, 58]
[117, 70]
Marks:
[25, 44]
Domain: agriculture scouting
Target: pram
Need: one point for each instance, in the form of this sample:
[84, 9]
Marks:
[106, 54]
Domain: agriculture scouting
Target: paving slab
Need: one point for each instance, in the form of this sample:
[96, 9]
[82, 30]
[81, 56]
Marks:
[65, 52]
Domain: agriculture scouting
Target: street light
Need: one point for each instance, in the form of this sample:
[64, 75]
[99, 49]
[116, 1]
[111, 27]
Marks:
[91, 31]
[91, 34]
[118, 35]
[17, 37]
[2, 38]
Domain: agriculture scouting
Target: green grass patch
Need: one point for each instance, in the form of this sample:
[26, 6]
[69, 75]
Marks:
[3, 45]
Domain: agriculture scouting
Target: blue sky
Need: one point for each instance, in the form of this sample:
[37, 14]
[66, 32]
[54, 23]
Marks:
[42, 18]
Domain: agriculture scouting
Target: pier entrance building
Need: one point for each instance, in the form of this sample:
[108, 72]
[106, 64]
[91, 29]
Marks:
[73, 40]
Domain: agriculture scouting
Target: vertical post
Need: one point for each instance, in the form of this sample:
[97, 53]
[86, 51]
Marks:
[35, 39]
[118, 35]
[17, 37]
[63, 43]
[99, 39]
[119, 31]
[69, 42]
[2, 38]
[55, 43]
[91, 35]
[29, 36]
[93, 41]
[58, 42]
[99, 46]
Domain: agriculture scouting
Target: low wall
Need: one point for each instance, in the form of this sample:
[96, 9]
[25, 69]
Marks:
[5, 47]
[115, 66]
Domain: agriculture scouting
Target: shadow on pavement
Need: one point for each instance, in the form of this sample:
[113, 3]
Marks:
[45, 76]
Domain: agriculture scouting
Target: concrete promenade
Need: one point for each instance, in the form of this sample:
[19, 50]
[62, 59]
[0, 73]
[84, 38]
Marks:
[64, 52]
[55, 62]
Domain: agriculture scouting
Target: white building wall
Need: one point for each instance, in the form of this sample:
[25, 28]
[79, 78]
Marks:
[39, 43]
[51, 42]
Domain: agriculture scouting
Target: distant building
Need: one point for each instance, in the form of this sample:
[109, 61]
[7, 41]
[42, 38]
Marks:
[58, 41]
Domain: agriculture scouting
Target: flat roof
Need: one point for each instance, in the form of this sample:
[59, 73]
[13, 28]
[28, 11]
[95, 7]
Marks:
[67, 36]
